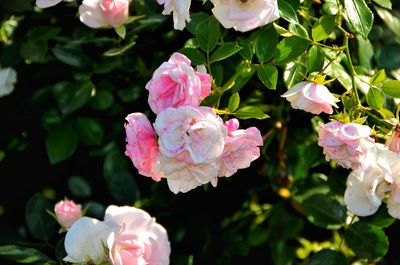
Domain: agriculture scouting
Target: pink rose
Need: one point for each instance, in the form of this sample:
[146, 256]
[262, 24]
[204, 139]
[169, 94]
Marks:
[141, 147]
[191, 134]
[67, 212]
[245, 15]
[344, 143]
[311, 97]
[179, 9]
[183, 176]
[103, 13]
[241, 148]
[49, 3]
[139, 241]
[175, 83]
[127, 236]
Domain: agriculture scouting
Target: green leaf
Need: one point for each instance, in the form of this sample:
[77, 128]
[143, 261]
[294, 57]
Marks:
[378, 77]
[61, 143]
[207, 33]
[90, 130]
[365, 52]
[384, 3]
[323, 28]
[102, 100]
[43, 33]
[34, 51]
[71, 56]
[366, 241]
[375, 99]
[265, 44]
[298, 30]
[41, 225]
[247, 49]
[242, 80]
[287, 12]
[71, 96]
[79, 187]
[359, 16]
[51, 118]
[290, 48]
[294, 73]
[24, 255]
[391, 88]
[389, 57]
[315, 59]
[234, 102]
[391, 20]
[195, 55]
[121, 31]
[59, 250]
[324, 212]
[217, 72]
[120, 181]
[338, 72]
[328, 257]
[268, 75]
[250, 112]
[224, 51]
[195, 20]
[330, 8]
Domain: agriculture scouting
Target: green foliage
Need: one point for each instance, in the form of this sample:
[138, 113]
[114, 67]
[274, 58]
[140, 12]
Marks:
[41, 225]
[24, 255]
[367, 241]
[328, 257]
[324, 212]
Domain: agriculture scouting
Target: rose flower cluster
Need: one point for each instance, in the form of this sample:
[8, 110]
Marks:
[375, 175]
[188, 144]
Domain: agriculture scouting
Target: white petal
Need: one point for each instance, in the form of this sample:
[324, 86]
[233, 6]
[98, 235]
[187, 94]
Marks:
[86, 240]
[357, 198]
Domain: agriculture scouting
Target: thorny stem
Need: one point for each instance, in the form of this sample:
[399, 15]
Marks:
[281, 150]
[353, 72]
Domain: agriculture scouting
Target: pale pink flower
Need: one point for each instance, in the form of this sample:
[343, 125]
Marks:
[393, 143]
[49, 3]
[179, 9]
[368, 184]
[195, 133]
[67, 213]
[104, 13]
[139, 241]
[175, 83]
[183, 176]
[241, 148]
[141, 147]
[393, 203]
[245, 15]
[311, 97]
[131, 236]
[8, 78]
[344, 143]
